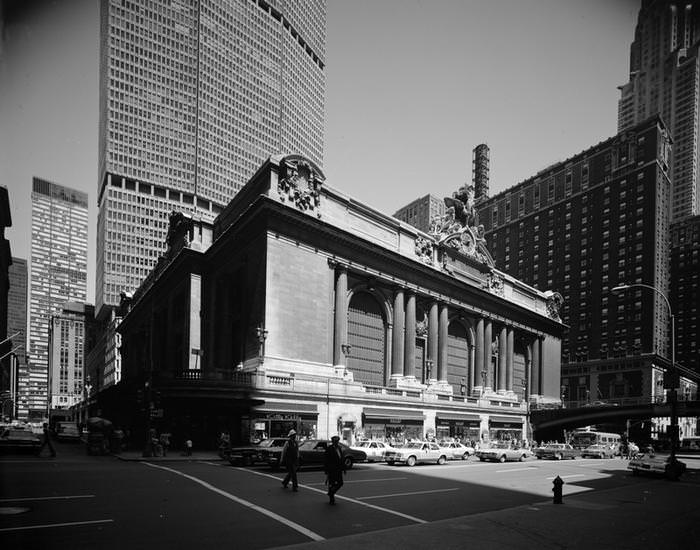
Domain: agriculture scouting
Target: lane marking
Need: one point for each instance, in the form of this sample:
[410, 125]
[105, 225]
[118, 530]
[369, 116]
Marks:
[44, 498]
[300, 528]
[366, 480]
[49, 525]
[516, 469]
[337, 496]
[411, 493]
[570, 475]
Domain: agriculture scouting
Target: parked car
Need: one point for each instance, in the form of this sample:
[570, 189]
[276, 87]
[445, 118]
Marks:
[557, 451]
[501, 452]
[67, 431]
[246, 455]
[15, 439]
[456, 451]
[416, 452]
[375, 450]
[312, 452]
[598, 450]
[656, 464]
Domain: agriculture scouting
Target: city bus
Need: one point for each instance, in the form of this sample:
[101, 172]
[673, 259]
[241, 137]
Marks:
[580, 439]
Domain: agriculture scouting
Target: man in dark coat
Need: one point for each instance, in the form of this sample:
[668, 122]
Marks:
[290, 458]
[47, 441]
[334, 467]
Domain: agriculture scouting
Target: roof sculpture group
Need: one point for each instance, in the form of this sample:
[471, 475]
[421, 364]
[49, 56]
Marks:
[459, 227]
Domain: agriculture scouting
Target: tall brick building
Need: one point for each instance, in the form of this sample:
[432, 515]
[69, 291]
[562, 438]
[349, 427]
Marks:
[583, 226]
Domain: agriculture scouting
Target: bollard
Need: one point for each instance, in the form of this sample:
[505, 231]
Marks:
[557, 489]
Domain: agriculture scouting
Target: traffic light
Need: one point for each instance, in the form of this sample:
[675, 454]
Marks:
[156, 398]
[463, 387]
[139, 396]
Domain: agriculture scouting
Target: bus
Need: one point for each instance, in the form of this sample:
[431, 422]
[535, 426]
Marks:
[580, 439]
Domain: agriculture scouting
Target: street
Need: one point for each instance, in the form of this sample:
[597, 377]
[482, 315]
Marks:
[84, 501]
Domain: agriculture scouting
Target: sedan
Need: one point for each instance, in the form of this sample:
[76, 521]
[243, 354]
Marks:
[375, 450]
[312, 452]
[598, 451]
[18, 439]
[247, 455]
[657, 464]
[457, 451]
[557, 451]
[502, 453]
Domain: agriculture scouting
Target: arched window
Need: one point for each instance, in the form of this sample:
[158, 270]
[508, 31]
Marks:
[366, 336]
[457, 356]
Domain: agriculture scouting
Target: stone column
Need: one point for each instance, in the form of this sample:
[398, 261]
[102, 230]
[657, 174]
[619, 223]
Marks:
[535, 368]
[195, 336]
[471, 377]
[340, 328]
[488, 352]
[398, 336]
[510, 351]
[502, 354]
[409, 363]
[433, 339]
[442, 344]
[479, 353]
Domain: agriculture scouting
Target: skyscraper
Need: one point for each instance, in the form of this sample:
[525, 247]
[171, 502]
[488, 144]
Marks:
[58, 274]
[582, 227]
[665, 79]
[70, 334]
[685, 290]
[194, 95]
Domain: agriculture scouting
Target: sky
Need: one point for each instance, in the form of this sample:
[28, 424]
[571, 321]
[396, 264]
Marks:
[412, 87]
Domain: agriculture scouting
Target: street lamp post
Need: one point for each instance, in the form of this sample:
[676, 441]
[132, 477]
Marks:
[671, 390]
[526, 398]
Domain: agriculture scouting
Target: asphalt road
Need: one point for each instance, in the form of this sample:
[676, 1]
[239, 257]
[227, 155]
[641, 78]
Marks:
[81, 501]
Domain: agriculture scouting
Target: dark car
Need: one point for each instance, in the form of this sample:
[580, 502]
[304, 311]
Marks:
[250, 454]
[18, 440]
[312, 451]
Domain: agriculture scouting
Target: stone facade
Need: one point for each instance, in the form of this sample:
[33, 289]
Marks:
[308, 309]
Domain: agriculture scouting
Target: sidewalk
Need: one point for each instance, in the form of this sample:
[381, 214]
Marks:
[653, 513]
[172, 456]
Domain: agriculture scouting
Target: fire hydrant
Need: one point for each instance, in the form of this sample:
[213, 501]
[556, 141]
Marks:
[557, 489]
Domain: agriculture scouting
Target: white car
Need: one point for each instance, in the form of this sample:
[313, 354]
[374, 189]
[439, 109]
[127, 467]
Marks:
[375, 450]
[415, 452]
[656, 464]
[457, 451]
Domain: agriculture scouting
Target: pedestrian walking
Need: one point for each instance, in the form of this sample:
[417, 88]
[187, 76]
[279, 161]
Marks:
[334, 466]
[188, 447]
[164, 441]
[47, 441]
[290, 459]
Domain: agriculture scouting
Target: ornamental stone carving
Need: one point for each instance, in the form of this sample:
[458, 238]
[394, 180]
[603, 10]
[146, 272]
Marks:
[554, 303]
[300, 183]
[460, 229]
[424, 250]
[495, 283]
[421, 324]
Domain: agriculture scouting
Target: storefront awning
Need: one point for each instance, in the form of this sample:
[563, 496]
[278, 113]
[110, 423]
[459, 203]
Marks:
[393, 413]
[288, 407]
[505, 420]
[458, 416]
